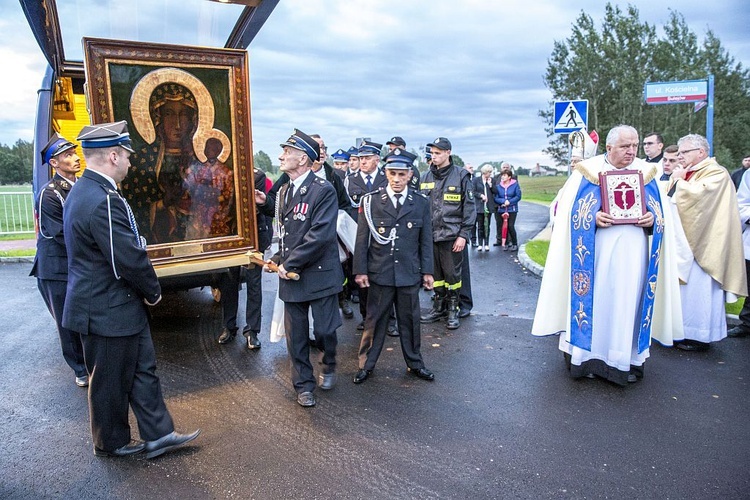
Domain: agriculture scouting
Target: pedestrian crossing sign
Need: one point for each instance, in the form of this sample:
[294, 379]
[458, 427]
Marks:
[571, 116]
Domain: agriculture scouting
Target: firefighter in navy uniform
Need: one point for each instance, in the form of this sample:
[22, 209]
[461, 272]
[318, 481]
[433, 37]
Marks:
[51, 260]
[451, 195]
[306, 209]
[392, 259]
[110, 284]
[366, 180]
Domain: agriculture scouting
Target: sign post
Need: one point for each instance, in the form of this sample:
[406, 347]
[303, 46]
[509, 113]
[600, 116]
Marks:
[687, 91]
[571, 116]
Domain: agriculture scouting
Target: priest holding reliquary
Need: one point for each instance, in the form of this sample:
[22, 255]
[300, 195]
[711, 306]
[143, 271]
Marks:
[608, 282]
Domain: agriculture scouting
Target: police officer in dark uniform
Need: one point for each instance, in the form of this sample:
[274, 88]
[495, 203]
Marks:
[231, 280]
[451, 195]
[392, 258]
[306, 210]
[51, 261]
[110, 283]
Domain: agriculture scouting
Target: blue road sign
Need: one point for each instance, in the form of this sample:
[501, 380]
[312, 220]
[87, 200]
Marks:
[571, 116]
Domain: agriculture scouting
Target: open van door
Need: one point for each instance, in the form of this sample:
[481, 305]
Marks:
[177, 72]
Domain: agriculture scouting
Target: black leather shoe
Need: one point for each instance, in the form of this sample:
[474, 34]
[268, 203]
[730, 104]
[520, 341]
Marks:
[168, 443]
[306, 399]
[464, 313]
[691, 345]
[632, 379]
[252, 340]
[326, 381]
[82, 381]
[738, 331]
[346, 309]
[122, 451]
[392, 331]
[361, 325]
[361, 376]
[497, 244]
[227, 336]
[422, 373]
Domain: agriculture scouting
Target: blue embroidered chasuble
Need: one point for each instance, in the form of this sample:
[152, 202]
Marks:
[582, 232]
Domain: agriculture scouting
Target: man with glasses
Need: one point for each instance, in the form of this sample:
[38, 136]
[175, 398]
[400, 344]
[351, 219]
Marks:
[652, 146]
[705, 199]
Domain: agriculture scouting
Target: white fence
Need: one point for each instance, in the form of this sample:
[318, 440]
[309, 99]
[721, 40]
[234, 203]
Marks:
[16, 213]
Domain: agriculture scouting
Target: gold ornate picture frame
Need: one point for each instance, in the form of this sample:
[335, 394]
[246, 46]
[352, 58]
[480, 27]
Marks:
[188, 111]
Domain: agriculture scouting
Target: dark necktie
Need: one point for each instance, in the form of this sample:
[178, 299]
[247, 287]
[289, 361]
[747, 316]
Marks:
[369, 183]
[398, 201]
[289, 195]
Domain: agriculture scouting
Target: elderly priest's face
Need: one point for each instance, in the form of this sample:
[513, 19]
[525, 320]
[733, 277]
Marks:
[622, 153]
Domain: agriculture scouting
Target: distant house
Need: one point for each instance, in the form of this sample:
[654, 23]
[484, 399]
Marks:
[543, 171]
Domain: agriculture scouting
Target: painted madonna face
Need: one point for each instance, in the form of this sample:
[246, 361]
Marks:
[177, 123]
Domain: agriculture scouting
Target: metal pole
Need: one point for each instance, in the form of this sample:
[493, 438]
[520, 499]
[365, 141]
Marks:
[710, 116]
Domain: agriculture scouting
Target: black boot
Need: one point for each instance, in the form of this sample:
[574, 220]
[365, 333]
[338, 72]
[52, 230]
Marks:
[437, 312]
[453, 321]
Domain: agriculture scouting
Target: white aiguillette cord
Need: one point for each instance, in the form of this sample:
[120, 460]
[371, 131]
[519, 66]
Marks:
[391, 238]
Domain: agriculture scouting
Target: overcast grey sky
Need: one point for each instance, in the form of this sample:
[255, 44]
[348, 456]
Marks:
[470, 71]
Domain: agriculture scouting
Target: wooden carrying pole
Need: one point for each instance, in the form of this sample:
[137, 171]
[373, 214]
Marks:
[257, 259]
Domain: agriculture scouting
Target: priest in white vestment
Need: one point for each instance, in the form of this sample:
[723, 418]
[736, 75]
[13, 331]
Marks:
[607, 286]
[711, 267]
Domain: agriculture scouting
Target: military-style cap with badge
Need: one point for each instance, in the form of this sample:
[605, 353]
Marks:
[57, 144]
[303, 142]
[353, 151]
[106, 135]
[396, 141]
[399, 159]
[369, 148]
[340, 156]
[441, 143]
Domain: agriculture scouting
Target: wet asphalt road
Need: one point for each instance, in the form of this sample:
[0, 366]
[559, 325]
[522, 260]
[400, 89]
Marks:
[501, 420]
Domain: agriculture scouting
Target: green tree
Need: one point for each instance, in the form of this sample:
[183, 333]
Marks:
[610, 65]
[16, 162]
[263, 162]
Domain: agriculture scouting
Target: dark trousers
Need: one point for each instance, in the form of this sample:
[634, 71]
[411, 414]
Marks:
[448, 266]
[230, 283]
[512, 238]
[745, 312]
[381, 301]
[53, 292]
[326, 318]
[483, 233]
[465, 301]
[123, 374]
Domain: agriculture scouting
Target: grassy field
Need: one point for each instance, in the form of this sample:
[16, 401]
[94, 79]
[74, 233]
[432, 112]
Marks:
[16, 213]
[541, 189]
